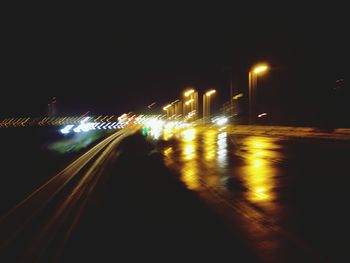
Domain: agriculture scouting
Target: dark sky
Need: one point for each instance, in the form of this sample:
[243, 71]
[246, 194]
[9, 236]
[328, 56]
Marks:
[111, 60]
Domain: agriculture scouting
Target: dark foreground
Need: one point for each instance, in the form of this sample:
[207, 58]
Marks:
[285, 198]
[142, 213]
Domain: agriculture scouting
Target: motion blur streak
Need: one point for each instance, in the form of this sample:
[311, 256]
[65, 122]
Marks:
[210, 142]
[258, 172]
[239, 180]
[72, 196]
[190, 168]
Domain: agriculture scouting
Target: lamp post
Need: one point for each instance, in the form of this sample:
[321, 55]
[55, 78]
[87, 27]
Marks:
[206, 104]
[252, 78]
[167, 108]
[188, 103]
[192, 95]
[175, 107]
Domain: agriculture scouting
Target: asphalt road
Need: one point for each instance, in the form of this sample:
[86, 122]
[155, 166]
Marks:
[200, 194]
[287, 196]
[117, 202]
[40, 224]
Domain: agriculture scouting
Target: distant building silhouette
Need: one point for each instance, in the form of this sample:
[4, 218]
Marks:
[52, 107]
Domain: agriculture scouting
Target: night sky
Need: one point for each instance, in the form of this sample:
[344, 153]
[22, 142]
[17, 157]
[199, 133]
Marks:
[113, 60]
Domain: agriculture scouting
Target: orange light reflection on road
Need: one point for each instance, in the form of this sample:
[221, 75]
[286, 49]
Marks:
[168, 154]
[222, 149]
[168, 151]
[189, 173]
[167, 134]
[210, 144]
[188, 135]
[189, 151]
[259, 171]
[214, 152]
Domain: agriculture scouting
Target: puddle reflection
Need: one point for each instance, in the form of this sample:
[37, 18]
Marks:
[259, 169]
[189, 170]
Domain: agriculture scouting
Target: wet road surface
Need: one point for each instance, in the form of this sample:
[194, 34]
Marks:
[43, 221]
[250, 199]
[287, 197]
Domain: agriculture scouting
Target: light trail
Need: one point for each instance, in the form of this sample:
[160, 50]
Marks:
[79, 183]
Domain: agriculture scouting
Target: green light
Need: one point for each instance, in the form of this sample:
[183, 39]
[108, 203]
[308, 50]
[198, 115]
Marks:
[144, 131]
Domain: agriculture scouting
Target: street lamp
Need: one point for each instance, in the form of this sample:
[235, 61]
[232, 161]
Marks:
[166, 108]
[176, 107]
[188, 92]
[253, 78]
[192, 95]
[206, 104]
[260, 68]
[187, 103]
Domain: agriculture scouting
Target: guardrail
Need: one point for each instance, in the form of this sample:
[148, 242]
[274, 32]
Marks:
[52, 121]
[339, 133]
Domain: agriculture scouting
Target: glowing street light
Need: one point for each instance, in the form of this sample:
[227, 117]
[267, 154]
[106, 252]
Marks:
[236, 97]
[253, 78]
[190, 113]
[260, 68]
[206, 104]
[188, 92]
[166, 108]
[176, 108]
[189, 102]
[193, 95]
[210, 92]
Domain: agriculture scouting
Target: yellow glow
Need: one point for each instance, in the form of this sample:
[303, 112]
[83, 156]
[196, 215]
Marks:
[189, 171]
[222, 148]
[210, 92]
[260, 194]
[260, 153]
[190, 176]
[236, 97]
[188, 92]
[256, 162]
[189, 135]
[168, 151]
[258, 144]
[189, 101]
[189, 151]
[167, 106]
[260, 68]
[210, 144]
[167, 134]
[259, 172]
